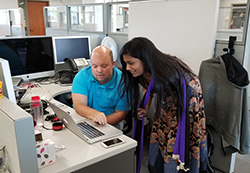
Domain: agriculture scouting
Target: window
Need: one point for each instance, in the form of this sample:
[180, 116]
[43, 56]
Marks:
[56, 17]
[86, 17]
[119, 15]
[232, 20]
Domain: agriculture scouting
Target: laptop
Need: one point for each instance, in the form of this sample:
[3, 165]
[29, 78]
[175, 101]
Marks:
[86, 129]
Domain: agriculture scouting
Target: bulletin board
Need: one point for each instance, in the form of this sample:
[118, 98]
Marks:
[183, 28]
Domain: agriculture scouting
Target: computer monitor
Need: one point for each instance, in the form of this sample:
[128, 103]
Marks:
[29, 57]
[5, 77]
[71, 47]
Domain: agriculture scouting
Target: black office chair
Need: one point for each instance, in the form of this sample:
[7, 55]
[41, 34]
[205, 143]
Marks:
[128, 123]
[68, 98]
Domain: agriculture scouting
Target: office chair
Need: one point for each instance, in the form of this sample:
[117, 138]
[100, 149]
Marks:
[68, 98]
[128, 123]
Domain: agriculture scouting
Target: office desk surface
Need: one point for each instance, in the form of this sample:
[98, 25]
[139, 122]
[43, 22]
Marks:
[78, 154]
[57, 89]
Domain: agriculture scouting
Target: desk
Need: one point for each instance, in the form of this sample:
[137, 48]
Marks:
[80, 156]
[57, 89]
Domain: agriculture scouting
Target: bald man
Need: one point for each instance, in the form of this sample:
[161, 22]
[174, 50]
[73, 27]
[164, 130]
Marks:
[95, 90]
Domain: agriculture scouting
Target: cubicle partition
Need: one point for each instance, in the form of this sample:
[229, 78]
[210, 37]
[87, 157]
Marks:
[12, 22]
[102, 18]
[96, 20]
[17, 134]
[228, 11]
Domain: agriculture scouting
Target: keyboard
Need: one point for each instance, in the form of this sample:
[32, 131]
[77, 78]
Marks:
[36, 90]
[88, 130]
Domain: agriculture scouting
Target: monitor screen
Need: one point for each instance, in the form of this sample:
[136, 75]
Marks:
[29, 57]
[71, 47]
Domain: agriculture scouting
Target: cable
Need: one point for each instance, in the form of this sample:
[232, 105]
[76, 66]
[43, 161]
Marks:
[46, 128]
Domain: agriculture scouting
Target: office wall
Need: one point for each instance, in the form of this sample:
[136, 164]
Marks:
[176, 29]
[8, 4]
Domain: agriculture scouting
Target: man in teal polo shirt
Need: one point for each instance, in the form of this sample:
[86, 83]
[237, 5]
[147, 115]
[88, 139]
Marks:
[95, 90]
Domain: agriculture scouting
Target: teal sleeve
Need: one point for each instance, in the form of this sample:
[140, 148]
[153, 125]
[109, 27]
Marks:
[79, 85]
[122, 104]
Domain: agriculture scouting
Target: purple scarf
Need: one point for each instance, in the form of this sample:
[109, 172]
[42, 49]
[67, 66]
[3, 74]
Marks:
[150, 88]
[179, 147]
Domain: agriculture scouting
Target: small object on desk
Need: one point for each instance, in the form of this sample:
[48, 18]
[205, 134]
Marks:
[38, 135]
[55, 119]
[45, 112]
[112, 142]
[60, 147]
[45, 153]
[36, 110]
[58, 125]
[50, 117]
[1, 90]
[25, 85]
[66, 77]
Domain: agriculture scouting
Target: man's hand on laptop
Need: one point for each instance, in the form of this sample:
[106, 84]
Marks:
[99, 118]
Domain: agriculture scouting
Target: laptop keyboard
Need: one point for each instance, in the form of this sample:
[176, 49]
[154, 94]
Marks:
[88, 130]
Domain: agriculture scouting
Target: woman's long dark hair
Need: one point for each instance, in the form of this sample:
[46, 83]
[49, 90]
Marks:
[166, 70]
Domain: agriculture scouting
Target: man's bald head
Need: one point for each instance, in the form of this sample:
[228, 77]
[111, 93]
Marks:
[102, 51]
[102, 64]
